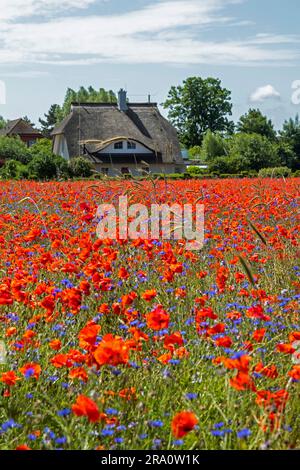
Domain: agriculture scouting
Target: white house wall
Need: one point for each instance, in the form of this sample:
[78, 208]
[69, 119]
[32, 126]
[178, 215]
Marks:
[140, 149]
[61, 147]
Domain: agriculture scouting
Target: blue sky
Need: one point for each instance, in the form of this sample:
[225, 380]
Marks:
[147, 46]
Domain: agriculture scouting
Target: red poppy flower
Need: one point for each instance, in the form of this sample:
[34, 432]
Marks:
[224, 342]
[149, 294]
[112, 350]
[158, 319]
[84, 406]
[9, 378]
[55, 344]
[88, 336]
[183, 422]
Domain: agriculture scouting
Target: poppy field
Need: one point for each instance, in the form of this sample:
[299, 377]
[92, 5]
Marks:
[142, 344]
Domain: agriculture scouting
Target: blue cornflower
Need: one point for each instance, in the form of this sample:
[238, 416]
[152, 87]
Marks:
[29, 373]
[178, 443]
[217, 433]
[61, 440]
[111, 411]
[107, 432]
[119, 440]
[64, 412]
[155, 423]
[244, 433]
[191, 396]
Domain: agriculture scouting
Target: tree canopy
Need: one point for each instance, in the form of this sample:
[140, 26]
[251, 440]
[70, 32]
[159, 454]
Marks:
[197, 106]
[254, 122]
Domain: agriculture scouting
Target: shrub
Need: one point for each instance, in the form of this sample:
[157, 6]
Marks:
[221, 165]
[12, 169]
[195, 170]
[253, 151]
[42, 167]
[81, 167]
[63, 170]
[12, 148]
[279, 172]
[41, 147]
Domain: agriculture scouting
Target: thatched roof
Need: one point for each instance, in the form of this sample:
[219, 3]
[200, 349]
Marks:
[19, 127]
[95, 125]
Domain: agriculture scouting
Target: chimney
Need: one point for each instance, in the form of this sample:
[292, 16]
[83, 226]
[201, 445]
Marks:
[122, 100]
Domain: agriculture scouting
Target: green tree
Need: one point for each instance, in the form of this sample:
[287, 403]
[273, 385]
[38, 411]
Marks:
[291, 134]
[83, 95]
[27, 119]
[287, 156]
[197, 106]
[213, 145]
[50, 120]
[254, 122]
[254, 151]
[2, 122]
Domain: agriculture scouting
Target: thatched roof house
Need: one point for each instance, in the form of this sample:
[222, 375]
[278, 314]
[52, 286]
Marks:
[121, 136]
[21, 128]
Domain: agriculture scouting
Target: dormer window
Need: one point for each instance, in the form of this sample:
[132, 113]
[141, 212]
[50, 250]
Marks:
[118, 145]
[131, 145]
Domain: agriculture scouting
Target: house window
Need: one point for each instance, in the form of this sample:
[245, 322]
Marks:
[131, 145]
[118, 145]
[30, 143]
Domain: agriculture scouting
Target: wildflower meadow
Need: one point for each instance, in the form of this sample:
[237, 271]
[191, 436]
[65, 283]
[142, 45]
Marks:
[143, 344]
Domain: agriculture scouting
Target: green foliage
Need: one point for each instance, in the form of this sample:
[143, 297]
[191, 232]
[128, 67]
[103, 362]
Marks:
[290, 134]
[51, 118]
[196, 170]
[42, 167]
[195, 152]
[213, 145]
[13, 169]
[287, 155]
[253, 151]
[3, 122]
[197, 106]
[226, 165]
[12, 148]
[81, 167]
[278, 172]
[254, 122]
[27, 119]
[83, 95]
[41, 147]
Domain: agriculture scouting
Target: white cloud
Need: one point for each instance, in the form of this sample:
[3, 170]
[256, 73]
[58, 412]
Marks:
[163, 32]
[12, 9]
[264, 93]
